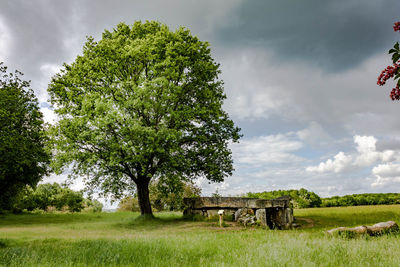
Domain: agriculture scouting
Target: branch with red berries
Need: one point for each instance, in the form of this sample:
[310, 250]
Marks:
[394, 70]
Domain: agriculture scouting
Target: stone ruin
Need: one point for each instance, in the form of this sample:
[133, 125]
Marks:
[272, 213]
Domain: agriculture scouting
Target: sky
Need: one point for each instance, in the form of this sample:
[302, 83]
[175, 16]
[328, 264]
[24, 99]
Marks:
[300, 79]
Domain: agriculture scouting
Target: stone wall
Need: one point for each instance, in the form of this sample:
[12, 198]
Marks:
[274, 213]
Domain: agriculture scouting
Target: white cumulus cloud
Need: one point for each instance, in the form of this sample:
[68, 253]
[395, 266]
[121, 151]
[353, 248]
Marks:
[386, 174]
[340, 162]
[366, 155]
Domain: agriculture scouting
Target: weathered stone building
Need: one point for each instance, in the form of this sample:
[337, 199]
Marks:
[274, 213]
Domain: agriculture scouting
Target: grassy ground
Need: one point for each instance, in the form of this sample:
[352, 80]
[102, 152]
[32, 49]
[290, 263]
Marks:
[117, 239]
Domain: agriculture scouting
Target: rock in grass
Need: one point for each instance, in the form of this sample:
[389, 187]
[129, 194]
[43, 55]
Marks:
[374, 230]
[383, 228]
[345, 231]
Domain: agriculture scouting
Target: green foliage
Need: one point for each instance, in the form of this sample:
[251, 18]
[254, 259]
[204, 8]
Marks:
[129, 203]
[362, 199]
[163, 197]
[300, 198]
[143, 102]
[24, 159]
[166, 197]
[51, 197]
[92, 205]
[216, 194]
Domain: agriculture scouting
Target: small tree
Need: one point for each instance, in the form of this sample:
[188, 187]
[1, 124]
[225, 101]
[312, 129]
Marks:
[129, 203]
[56, 196]
[142, 103]
[165, 196]
[23, 159]
[394, 70]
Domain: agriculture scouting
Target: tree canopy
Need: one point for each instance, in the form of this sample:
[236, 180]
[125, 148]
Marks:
[24, 159]
[143, 102]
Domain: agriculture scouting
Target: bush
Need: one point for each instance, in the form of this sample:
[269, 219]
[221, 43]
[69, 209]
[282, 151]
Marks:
[300, 198]
[92, 205]
[51, 209]
[54, 197]
[129, 203]
[165, 197]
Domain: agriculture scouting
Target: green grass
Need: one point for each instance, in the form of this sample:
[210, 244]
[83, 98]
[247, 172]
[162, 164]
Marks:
[118, 239]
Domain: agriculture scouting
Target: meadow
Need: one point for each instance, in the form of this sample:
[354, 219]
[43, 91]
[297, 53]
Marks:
[120, 239]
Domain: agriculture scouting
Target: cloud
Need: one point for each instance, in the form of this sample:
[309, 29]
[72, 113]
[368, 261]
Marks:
[366, 147]
[76, 184]
[39, 31]
[366, 156]
[298, 93]
[5, 40]
[47, 71]
[386, 175]
[334, 35]
[49, 116]
[314, 135]
[47, 32]
[387, 170]
[341, 162]
[263, 150]
[393, 144]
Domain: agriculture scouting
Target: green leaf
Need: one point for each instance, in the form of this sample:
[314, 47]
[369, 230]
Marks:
[396, 46]
[395, 57]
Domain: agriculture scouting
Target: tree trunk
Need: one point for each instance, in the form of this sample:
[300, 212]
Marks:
[144, 198]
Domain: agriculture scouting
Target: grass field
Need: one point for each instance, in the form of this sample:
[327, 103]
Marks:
[118, 239]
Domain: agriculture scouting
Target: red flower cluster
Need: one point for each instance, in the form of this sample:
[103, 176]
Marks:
[387, 73]
[395, 93]
[391, 71]
[396, 26]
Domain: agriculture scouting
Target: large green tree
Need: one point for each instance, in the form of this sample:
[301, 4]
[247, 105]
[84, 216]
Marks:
[143, 102]
[23, 159]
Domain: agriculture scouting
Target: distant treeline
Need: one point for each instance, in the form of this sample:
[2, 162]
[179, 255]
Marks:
[361, 199]
[306, 199]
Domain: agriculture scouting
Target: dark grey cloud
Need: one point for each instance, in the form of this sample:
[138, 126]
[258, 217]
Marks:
[334, 35]
[389, 144]
[39, 34]
[46, 33]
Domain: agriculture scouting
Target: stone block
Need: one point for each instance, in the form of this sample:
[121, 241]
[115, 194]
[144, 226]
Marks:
[261, 216]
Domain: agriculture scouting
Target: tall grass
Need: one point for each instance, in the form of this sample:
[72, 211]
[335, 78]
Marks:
[350, 216]
[117, 239]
